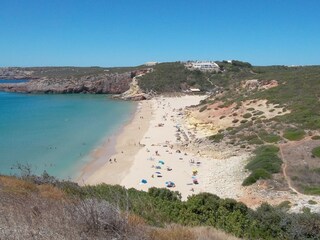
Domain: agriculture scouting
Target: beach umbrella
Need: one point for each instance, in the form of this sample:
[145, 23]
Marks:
[144, 181]
[161, 162]
[170, 184]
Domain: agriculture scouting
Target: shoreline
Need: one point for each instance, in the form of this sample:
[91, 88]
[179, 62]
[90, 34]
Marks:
[105, 150]
[127, 137]
[150, 138]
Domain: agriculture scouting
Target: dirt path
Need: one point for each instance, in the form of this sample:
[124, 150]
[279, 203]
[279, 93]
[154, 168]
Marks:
[284, 170]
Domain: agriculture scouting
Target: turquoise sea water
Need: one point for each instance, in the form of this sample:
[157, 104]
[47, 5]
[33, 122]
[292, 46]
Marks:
[13, 81]
[56, 133]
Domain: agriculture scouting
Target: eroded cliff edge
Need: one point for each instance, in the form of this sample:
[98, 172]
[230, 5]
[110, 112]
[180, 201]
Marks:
[66, 80]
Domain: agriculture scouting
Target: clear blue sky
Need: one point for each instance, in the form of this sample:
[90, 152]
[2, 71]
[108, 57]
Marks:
[131, 32]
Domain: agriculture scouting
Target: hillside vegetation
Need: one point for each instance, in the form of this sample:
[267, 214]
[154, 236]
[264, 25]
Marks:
[267, 105]
[298, 87]
[75, 72]
[34, 208]
[42, 207]
[174, 77]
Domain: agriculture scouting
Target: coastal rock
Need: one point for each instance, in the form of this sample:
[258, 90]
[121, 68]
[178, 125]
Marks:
[113, 83]
[15, 73]
[260, 85]
[135, 93]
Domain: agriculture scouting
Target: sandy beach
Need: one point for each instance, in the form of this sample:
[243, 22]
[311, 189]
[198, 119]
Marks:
[152, 151]
[119, 149]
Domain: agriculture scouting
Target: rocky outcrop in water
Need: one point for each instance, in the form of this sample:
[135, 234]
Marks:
[113, 83]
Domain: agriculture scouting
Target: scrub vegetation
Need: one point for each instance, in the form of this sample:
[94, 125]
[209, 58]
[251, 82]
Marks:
[47, 208]
[263, 164]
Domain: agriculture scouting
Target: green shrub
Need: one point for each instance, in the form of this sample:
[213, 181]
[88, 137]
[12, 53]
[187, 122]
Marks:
[269, 138]
[250, 139]
[164, 194]
[255, 176]
[247, 115]
[312, 202]
[216, 138]
[293, 134]
[267, 149]
[316, 151]
[203, 108]
[257, 113]
[241, 64]
[312, 190]
[316, 170]
[316, 137]
[265, 159]
[256, 141]
[204, 101]
[285, 205]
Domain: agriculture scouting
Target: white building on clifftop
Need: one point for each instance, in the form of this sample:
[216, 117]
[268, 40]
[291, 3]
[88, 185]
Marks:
[149, 64]
[203, 66]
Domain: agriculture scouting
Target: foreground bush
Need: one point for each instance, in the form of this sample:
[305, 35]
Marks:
[113, 212]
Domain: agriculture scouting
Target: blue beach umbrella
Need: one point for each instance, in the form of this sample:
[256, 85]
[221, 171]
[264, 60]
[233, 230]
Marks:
[144, 181]
[161, 162]
[170, 184]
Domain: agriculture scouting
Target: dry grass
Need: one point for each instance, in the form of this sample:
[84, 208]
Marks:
[174, 232]
[30, 211]
[204, 233]
[14, 185]
[33, 217]
[49, 191]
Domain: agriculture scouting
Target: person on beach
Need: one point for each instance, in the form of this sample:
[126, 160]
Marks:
[110, 160]
[115, 160]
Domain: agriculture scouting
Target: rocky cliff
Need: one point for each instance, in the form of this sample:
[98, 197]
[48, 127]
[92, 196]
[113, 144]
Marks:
[113, 83]
[15, 73]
